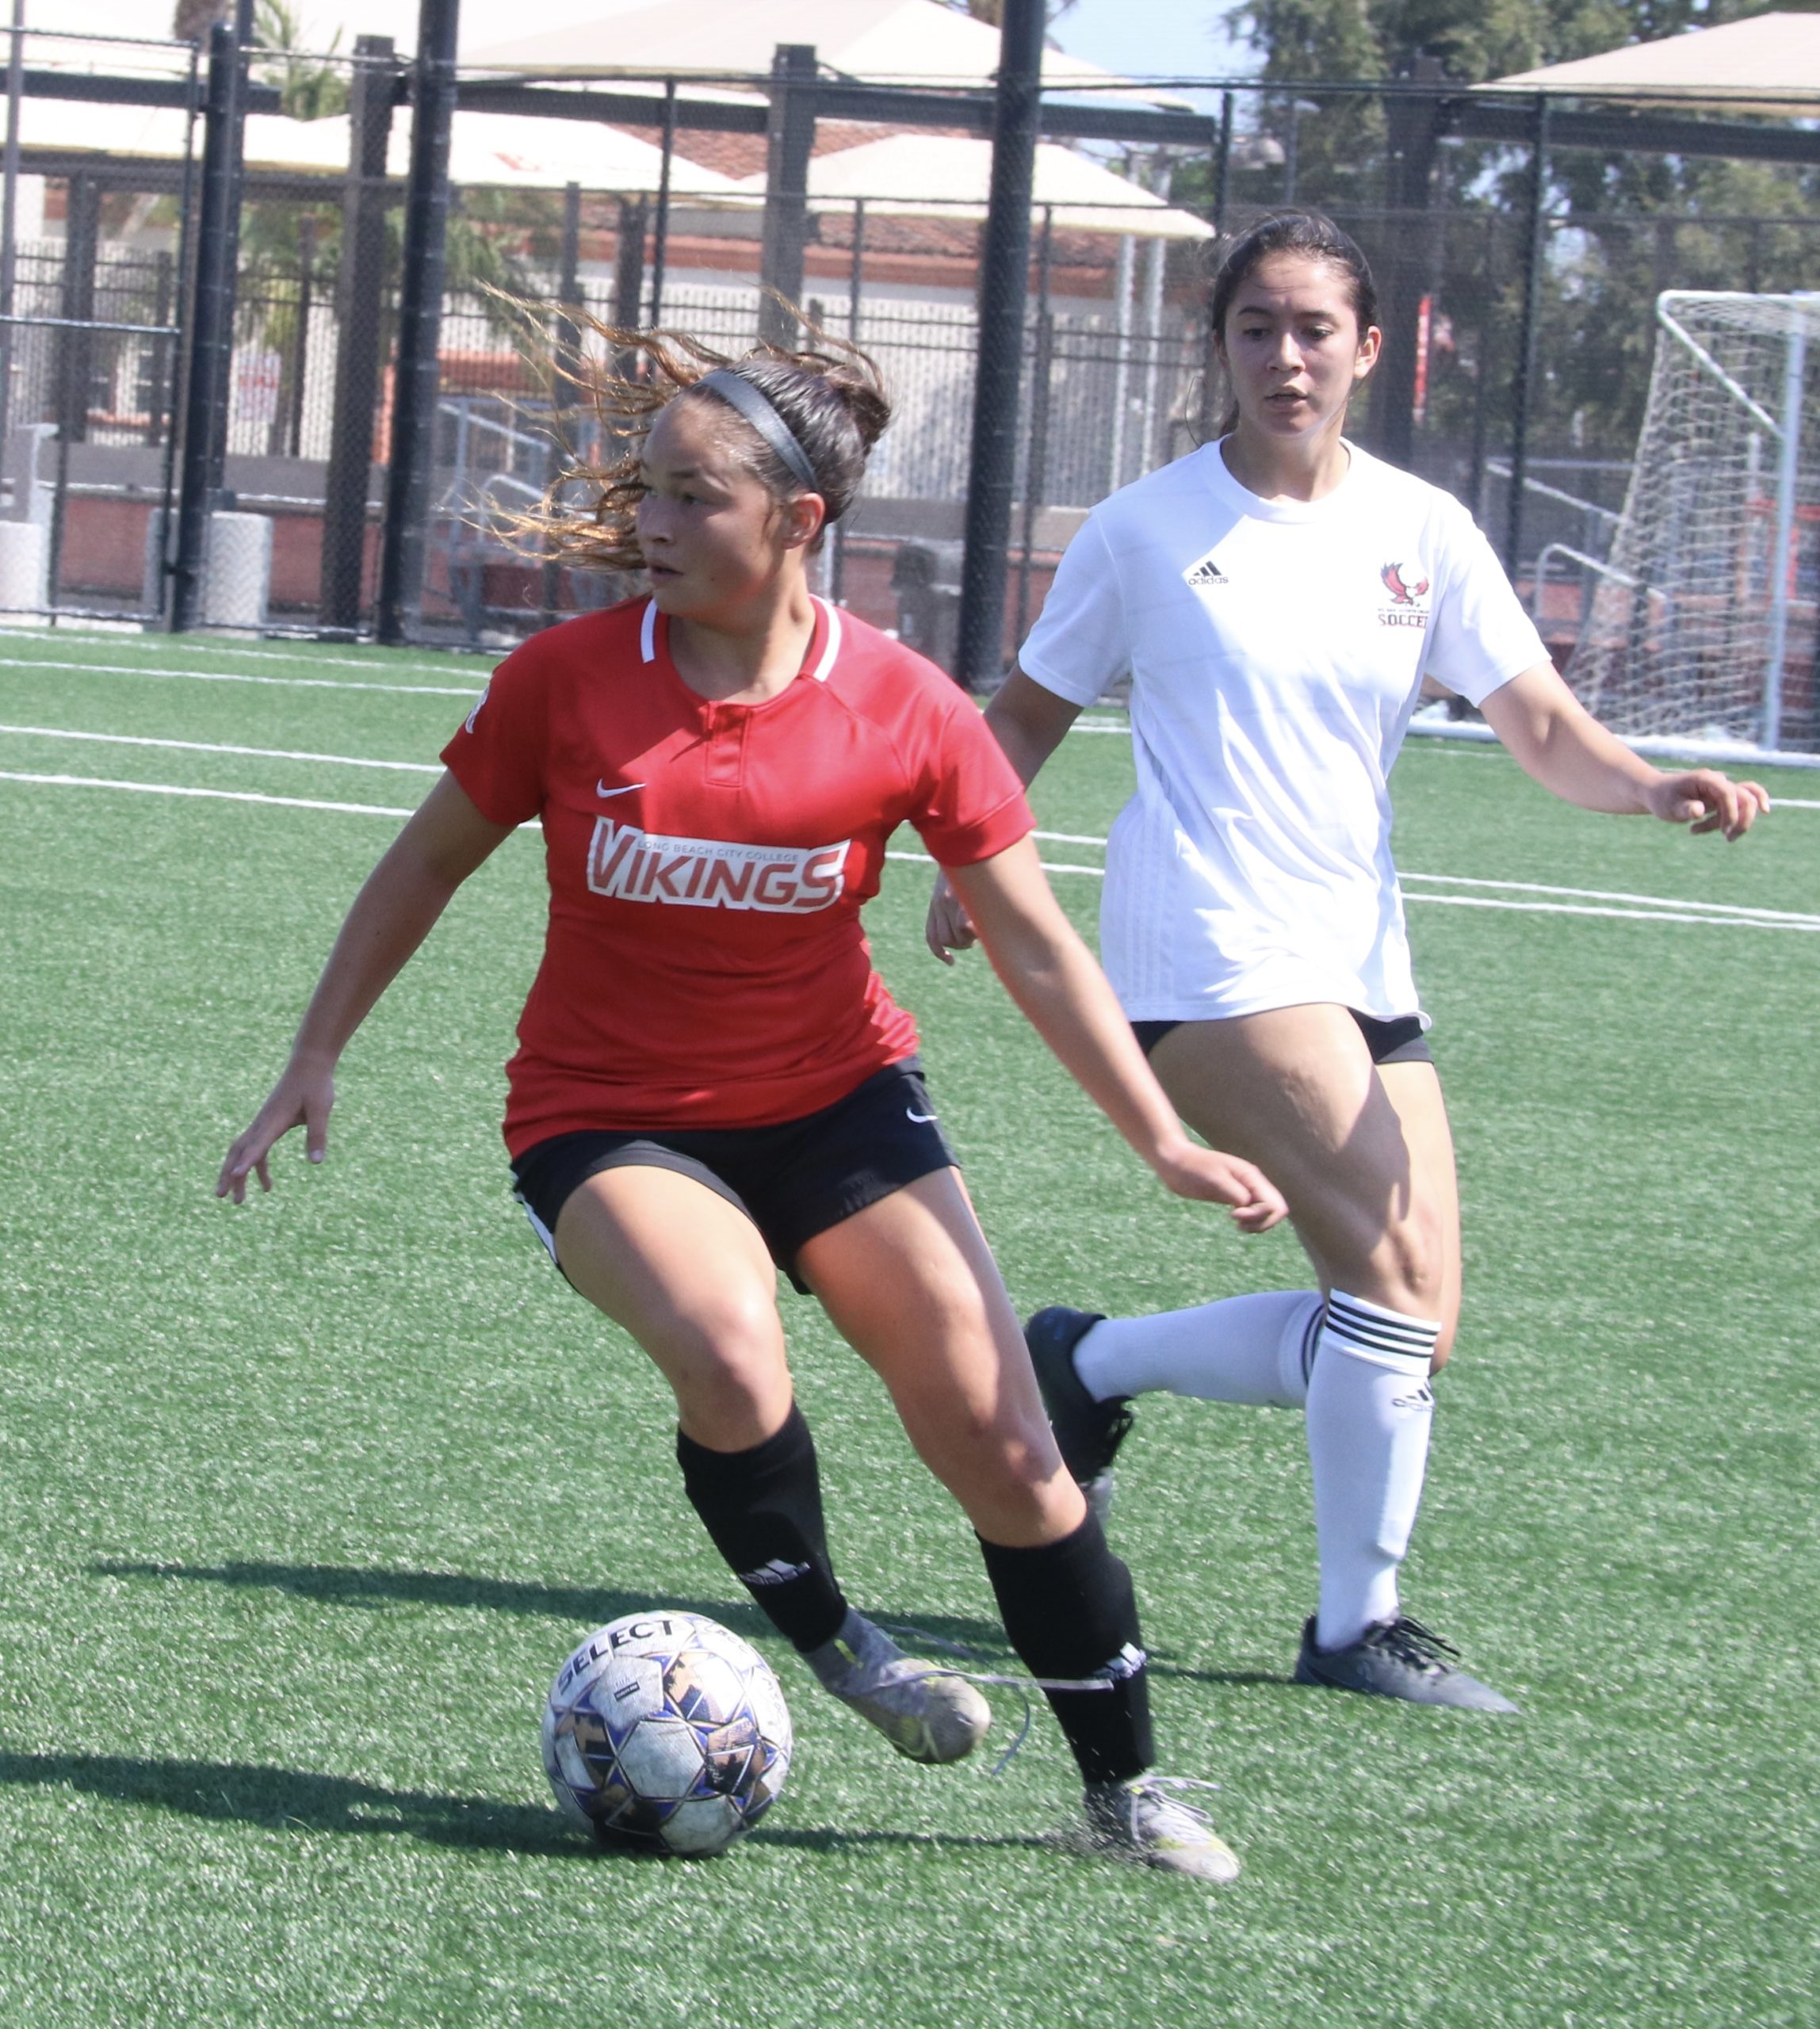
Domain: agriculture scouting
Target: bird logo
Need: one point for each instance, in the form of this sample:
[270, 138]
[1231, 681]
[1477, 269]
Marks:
[1392, 574]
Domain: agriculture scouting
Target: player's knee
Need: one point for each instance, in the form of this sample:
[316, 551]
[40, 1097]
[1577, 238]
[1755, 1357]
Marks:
[972, 1448]
[726, 1353]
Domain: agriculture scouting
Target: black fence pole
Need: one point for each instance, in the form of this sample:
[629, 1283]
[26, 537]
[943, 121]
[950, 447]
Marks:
[418, 377]
[855, 290]
[1036, 457]
[1411, 143]
[211, 323]
[293, 428]
[789, 141]
[1207, 422]
[9, 204]
[76, 363]
[1522, 380]
[567, 335]
[660, 229]
[1223, 161]
[359, 284]
[1004, 283]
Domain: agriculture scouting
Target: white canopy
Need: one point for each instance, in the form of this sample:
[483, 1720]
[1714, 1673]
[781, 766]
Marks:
[497, 150]
[896, 41]
[489, 150]
[1770, 62]
[944, 176]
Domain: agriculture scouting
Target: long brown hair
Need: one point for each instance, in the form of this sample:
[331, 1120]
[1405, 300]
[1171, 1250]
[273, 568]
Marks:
[1311, 233]
[830, 395]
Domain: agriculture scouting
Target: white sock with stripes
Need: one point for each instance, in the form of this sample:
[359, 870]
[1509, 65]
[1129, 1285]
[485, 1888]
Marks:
[1368, 1411]
[1254, 1349]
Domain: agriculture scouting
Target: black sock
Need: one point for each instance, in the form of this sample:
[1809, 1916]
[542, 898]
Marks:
[1070, 1613]
[763, 1507]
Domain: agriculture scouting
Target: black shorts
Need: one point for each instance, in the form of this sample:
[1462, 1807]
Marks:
[1402, 1040]
[793, 1181]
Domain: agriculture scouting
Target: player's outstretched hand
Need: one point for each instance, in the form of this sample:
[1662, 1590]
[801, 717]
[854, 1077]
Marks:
[948, 928]
[1708, 801]
[302, 1098]
[1190, 1171]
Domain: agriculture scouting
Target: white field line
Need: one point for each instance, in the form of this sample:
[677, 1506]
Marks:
[124, 645]
[220, 796]
[469, 691]
[214, 746]
[1663, 909]
[1810, 924]
[1726, 909]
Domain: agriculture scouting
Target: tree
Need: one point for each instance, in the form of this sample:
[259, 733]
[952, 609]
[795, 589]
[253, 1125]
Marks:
[1624, 224]
[194, 18]
[993, 12]
[1473, 40]
[310, 89]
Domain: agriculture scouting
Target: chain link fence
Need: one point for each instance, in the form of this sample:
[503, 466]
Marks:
[1519, 338]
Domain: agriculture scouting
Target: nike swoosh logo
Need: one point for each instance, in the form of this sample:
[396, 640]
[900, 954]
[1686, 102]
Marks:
[600, 788]
[920, 1118]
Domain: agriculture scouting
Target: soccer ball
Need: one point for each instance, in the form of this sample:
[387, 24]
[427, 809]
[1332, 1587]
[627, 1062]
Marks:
[665, 1730]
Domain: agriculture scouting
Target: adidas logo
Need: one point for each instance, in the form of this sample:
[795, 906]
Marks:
[1206, 572]
[776, 1573]
[1127, 1663]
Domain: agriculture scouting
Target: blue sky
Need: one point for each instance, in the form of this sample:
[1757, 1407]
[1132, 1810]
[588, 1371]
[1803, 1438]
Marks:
[1176, 38]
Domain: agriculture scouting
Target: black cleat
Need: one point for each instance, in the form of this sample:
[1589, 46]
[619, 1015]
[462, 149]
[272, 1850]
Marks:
[1087, 1433]
[1397, 1658]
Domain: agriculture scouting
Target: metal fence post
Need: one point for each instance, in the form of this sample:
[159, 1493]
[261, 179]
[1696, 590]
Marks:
[1036, 457]
[1409, 173]
[208, 385]
[567, 332]
[1004, 282]
[789, 141]
[855, 290]
[1206, 421]
[359, 287]
[661, 234]
[75, 366]
[417, 376]
[1522, 380]
[9, 204]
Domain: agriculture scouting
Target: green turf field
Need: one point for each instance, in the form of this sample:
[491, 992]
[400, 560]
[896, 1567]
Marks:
[301, 1504]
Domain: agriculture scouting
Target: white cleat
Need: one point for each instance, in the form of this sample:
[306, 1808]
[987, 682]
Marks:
[1140, 1821]
[926, 1712]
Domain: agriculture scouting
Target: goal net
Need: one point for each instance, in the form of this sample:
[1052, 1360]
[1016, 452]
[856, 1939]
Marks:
[1701, 622]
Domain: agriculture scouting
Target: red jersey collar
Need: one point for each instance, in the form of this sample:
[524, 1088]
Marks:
[819, 657]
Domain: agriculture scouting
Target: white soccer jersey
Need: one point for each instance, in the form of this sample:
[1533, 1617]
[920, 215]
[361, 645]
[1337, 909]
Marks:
[1276, 651]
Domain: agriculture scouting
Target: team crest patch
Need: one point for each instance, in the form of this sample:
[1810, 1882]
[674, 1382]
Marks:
[1204, 571]
[1407, 591]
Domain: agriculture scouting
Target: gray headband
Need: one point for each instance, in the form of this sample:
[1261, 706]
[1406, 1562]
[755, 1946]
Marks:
[756, 407]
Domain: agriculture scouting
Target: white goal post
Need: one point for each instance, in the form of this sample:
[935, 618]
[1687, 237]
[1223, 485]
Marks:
[1701, 624]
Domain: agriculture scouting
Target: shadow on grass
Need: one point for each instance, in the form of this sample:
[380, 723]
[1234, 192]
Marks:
[229, 1793]
[590, 1605]
[365, 1586]
[976, 1643]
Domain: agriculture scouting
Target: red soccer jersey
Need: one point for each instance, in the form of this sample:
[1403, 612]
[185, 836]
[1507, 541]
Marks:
[704, 964]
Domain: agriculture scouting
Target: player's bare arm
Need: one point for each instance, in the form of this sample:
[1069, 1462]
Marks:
[1555, 738]
[443, 842]
[1056, 982]
[1030, 723]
